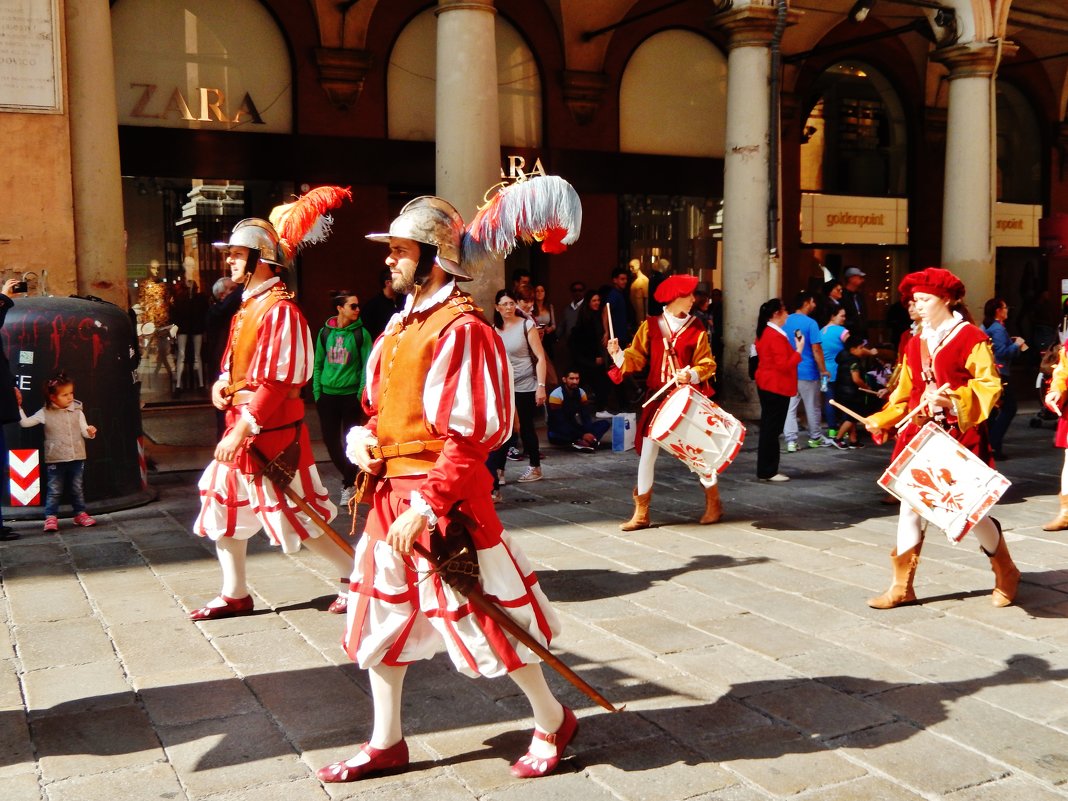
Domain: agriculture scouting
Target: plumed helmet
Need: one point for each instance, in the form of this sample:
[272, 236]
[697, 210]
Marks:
[258, 235]
[432, 221]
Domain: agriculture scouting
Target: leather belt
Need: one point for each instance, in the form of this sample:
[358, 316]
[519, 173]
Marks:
[406, 448]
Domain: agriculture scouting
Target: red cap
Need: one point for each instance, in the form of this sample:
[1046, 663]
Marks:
[932, 281]
[675, 286]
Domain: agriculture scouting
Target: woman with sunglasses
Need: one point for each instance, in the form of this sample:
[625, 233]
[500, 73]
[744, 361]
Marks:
[341, 351]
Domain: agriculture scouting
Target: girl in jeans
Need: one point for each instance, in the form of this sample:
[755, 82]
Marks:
[65, 430]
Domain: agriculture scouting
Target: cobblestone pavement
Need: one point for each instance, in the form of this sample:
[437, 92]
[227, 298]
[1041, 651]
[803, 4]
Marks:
[750, 665]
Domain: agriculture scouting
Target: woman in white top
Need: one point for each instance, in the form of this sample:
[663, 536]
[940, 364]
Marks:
[527, 357]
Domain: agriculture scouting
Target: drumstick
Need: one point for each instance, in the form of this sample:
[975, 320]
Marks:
[878, 437]
[608, 311]
[904, 420]
[848, 411]
[660, 392]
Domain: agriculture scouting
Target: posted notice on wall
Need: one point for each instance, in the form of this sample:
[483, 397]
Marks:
[29, 56]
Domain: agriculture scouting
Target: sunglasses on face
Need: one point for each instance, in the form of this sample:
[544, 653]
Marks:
[354, 306]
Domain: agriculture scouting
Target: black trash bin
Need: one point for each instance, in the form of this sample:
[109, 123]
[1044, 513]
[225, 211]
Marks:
[89, 340]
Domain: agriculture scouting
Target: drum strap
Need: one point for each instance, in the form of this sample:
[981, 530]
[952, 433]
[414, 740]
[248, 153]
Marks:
[670, 356]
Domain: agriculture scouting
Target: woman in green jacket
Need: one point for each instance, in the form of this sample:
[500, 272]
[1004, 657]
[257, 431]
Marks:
[341, 352]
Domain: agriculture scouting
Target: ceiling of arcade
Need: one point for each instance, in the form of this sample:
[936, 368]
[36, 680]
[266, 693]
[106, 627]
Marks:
[1039, 28]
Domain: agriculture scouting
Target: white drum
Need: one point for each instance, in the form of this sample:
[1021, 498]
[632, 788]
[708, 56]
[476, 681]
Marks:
[698, 432]
[944, 482]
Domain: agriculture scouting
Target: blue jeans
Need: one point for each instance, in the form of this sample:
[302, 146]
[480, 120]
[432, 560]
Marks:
[65, 475]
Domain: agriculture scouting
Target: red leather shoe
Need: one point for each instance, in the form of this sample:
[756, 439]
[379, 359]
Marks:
[232, 607]
[339, 605]
[379, 760]
[530, 766]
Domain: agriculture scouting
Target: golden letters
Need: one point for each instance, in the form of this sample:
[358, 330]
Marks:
[211, 106]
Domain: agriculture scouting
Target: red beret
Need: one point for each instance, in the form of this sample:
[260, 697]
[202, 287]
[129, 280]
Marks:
[932, 281]
[675, 286]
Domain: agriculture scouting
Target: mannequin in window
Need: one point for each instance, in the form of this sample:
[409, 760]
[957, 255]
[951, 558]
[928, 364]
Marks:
[152, 296]
[639, 291]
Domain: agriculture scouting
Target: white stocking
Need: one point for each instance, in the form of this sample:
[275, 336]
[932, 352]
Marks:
[332, 552]
[387, 687]
[646, 463]
[548, 712]
[987, 534]
[909, 529]
[232, 558]
[1064, 474]
[710, 482]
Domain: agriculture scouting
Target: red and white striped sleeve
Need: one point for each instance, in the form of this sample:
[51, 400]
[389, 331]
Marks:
[468, 391]
[284, 348]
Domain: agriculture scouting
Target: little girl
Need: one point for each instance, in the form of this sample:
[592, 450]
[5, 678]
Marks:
[65, 427]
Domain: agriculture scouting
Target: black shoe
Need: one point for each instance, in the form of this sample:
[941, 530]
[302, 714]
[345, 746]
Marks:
[7, 533]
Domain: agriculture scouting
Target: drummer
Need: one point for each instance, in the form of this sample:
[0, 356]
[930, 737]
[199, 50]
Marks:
[675, 347]
[953, 353]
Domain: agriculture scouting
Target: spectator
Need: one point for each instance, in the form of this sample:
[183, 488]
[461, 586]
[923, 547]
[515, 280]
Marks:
[809, 374]
[569, 318]
[587, 352]
[520, 281]
[833, 337]
[342, 350]
[853, 301]
[776, 380]
[529, 364]
[851, 387]
[571, 421]
[380, 309]
[618, 305]
[829, 302]
[995, 313]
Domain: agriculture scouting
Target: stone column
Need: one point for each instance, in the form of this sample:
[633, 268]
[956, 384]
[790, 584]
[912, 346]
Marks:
[968, 199]
[468, 156]
[746, 267]
[99, 231]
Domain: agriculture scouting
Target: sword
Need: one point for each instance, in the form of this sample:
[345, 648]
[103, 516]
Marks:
[501, 618]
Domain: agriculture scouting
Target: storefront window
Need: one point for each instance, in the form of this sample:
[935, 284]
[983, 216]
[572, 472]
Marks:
[172, 267]
[854, 140]
[687, 231]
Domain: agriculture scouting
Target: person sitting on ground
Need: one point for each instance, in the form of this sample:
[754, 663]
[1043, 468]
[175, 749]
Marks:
[571, 422]
[851, 387]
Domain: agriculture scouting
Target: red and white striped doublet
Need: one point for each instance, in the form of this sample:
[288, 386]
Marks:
[466, 399]
[233, 503]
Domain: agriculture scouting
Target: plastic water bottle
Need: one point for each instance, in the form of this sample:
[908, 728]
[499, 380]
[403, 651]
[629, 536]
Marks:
[823, 383]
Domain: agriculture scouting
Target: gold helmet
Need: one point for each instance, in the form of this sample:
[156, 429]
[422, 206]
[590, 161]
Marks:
[259, 235]
[431, 221]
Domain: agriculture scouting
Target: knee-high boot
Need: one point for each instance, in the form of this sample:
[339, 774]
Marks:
[640, 518]
[900, 592]
[713, 506]
[1006, 574]
[1060, 522]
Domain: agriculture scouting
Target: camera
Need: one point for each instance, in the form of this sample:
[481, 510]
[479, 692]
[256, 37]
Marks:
[20, 287]
[798, 334]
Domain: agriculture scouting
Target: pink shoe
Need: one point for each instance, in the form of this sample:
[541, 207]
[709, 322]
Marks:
[232, 607]
[530, 766]
[340, 605]
[83, 519]
[51, 523]
[379, 760]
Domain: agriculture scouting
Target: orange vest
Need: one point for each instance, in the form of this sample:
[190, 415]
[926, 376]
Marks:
[406, 355]
[246, 328]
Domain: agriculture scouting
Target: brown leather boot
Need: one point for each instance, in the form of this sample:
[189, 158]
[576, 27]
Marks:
[1006, 574]
[640, 518]
[713, 506]
[900, 592]
[1060, 522]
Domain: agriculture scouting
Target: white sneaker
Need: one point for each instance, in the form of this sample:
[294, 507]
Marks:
[791, 447]
[777, 477]
[531, 474]
[346, 495]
